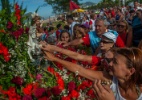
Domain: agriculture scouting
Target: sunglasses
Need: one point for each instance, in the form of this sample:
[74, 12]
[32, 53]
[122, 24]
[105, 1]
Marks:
[103, 41]
[120, 26]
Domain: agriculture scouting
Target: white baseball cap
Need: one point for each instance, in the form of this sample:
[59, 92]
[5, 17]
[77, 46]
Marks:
[110, 36]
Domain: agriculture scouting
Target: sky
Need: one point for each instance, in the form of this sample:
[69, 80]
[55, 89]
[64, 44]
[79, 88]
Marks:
[44, 11]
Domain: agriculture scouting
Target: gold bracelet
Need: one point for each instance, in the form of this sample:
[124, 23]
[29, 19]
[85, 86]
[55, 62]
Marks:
[106, 82]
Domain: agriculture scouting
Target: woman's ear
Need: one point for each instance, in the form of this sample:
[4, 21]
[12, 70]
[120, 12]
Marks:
[129, 73]
[132, 71]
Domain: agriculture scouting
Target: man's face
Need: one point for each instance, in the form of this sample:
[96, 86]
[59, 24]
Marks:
[100, 28]
[135, 4]
[69, 21]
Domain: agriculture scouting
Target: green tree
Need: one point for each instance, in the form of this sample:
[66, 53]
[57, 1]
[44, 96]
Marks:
[6, 5]
[60, 6]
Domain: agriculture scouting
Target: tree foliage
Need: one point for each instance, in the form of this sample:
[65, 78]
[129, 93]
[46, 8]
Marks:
[110, 3]
[6, 5]
[60, 6]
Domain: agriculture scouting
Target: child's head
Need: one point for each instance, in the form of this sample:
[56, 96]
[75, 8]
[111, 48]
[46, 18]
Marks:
[51, 29]
[76, 32]
[65, 36]
[66, 27]
[59, 26]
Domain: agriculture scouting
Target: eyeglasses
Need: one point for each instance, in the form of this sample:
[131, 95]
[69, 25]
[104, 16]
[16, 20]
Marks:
[104, 41]
[120, 26]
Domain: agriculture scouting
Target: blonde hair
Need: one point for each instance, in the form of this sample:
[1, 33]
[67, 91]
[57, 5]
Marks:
[127, 25]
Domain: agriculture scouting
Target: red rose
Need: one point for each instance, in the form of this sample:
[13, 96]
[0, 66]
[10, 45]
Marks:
[50, 69]
[44, 98]
[28, 89]
[66, 98]
[12, 94]
[5, 50]
[74, 61]
[21, 30]
[27, 97]
[17, 34]
[91, 93]
[17, 80]
[39, 92]
[9, 25]
[59, 65]
[74, 94]
[56, 91]
[81, 86]
[60, 81]
[71, 86]
[17, 97]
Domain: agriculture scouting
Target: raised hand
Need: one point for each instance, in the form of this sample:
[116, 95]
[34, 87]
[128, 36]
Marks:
[103, 92]
[61, 42]
[46, 47]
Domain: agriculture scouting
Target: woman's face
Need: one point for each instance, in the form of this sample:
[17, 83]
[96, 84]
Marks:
[78, 35]
[109, 15]
[105, 44]
[118, 68]
[65, 37]
[121, 27]
[118, 12]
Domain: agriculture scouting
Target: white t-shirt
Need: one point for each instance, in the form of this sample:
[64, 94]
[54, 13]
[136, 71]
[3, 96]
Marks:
[139, 8]
[92, 23]
[85, 22]
[71, 27]
[116, 91]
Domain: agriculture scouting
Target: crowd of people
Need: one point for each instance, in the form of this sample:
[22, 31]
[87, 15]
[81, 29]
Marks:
[114, 36]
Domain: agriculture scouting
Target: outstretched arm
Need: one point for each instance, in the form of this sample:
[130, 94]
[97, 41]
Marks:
[69, 53]
[74, 42]
[87, 73]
